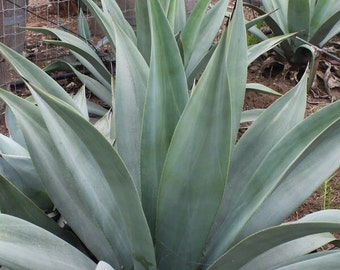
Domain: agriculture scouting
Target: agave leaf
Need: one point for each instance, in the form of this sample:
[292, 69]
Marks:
[83, 26]
[325, 15]
[265, 131]
[98, 89]
[13, 202]
[251, 115]
[298, 18]
[204, 36]
[166, 97]
[112, 9]
[192, 183]
[323, 140]
[315, 261]
[13, 128]
[78, 46]
[291, 250]
[110, 233]
[80, 101]
[257, 243]
[98, 70]
[130, 100]
[103, 19]
[34, 74]
[143, 29]
[96, 109]
[258, 49]
[104, 266]
[26, 246]
[280, 16]
[177, 15]
[262, 89]
[104, 125]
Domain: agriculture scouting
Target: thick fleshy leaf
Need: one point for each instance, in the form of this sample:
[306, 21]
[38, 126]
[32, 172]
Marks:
[112, 9]
[88, 177]
[325, 21]
[100, 72]
[166, 98]
[314, 261]
[262, 241]
[13, 202]
[266, 131]
[298, 18]
[143, 29]
[104, 266]
[81, 102]
[251, 115]
[13, 128]
[83, 26]
[27, 246]
[197, 42]
[197, 162]
[101, 91]
[291, 250]
[257, 50]
[33, 74]
[322, 140]
[132, 78]
[262, 89]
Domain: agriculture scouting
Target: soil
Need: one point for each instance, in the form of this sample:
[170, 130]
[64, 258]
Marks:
[274, 74]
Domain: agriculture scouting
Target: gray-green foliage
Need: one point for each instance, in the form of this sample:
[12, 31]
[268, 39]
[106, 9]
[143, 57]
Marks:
[177, 190]
[314, 21]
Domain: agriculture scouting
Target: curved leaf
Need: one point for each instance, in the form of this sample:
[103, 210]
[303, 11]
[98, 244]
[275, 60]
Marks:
[13, 202]
[262, 241]
[266, 131]
[320, 133]
[26, 246]
[88, 177]
[197, 162]
[166, 97]
[289, 251]
[33, 74]
[132, 78]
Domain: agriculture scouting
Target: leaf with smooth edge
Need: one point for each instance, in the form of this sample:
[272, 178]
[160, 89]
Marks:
[112, 9]
[166, 97]
[80, 100]
[34, 74]
[13, 128]
[103, 19]
[326, 15]
[98, 89]
[132, 78]
[27, 246]
[83, 26]
[176, 15]
[258, 49]
[204, 35]
[104, 266]
[143, 29]
[100, 72]
[314, 261]
[288, 251]
[86, 176]
[107, 175]
[262, 89]
[104, 125]
[13, 202]
[326, 143]
[288, 111]
[251, 115]
[192, 27]
[262, 241]
[298, 18]
[197, 162]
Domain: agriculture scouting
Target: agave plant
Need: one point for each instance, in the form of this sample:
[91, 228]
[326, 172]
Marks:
[315, 22]
[177, 190]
